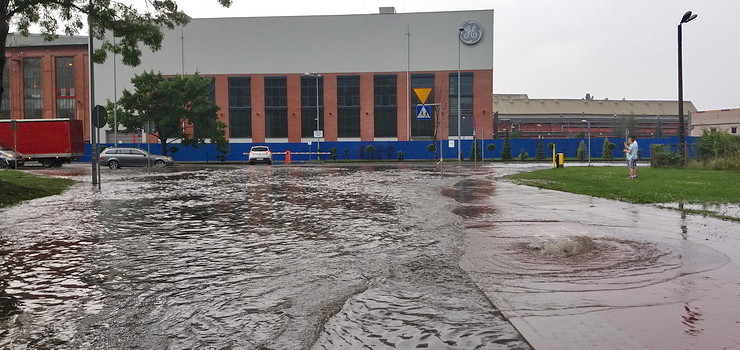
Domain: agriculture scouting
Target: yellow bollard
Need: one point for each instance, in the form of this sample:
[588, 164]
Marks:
[561, 160]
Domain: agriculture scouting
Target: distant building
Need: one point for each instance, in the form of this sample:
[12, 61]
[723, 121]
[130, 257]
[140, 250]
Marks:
[45, 79]
[560, 118]
[724, 119]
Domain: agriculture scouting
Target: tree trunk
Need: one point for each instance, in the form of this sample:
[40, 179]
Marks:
[163, 141]
[4, 29]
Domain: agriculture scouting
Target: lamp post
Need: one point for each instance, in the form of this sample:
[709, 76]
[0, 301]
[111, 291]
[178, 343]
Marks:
[318, 127]
[687, 17]
[459, 132]
[589, 139]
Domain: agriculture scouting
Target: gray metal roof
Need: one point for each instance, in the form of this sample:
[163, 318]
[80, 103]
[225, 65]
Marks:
[34, 40]
[520, 104]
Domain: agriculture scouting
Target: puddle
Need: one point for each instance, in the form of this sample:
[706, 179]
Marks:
[722, 209]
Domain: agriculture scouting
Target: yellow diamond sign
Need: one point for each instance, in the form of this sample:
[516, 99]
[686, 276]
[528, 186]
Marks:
[423, 94]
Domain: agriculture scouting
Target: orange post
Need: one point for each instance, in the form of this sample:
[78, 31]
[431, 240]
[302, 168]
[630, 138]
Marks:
[287, 157]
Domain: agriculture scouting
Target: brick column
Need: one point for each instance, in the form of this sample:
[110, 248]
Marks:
[48, 87]
[294, 108]
[442, 96]
[367, 107]
[222, 100]
[483, 103]
[330, 107]
[258, 108]
[402, 114]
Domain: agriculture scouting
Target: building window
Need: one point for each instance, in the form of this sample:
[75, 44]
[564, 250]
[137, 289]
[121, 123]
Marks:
[276, 107]
[348, 106]
[386, 122]
[5, 103]
[240, 107]
[65, 89]
[734, 129]
[308, 105]
[32, 88]
[422, 128]
[466, 104]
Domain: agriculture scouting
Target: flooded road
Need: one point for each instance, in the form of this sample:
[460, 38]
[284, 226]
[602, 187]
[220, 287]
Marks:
[250, 258]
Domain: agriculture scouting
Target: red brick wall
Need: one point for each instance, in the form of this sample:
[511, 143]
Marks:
[294, 108]
[442, 96]
[483, 103]
[330, 107]
[402, 115]
[367, 107]
[222, 100]
[258, 108]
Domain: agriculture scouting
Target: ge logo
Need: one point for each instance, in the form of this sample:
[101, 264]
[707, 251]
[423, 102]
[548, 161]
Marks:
[472, 32]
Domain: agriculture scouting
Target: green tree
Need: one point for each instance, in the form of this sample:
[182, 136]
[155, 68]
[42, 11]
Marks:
[476, 151]
[130, 26]
[608, 150]
[581, 151]
[169, 103]
[517, 134]
[370, 150]
[506, 151]
[539, 152]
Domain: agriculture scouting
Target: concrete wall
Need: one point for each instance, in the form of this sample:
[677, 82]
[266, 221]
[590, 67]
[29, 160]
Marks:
[726, 120]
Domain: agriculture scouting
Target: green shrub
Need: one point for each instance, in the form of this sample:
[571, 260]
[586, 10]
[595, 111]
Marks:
[539, 152]
[333, 152]
[608, 149]
[581, 151]
[662, 157]
[432, 148]
[370, 150]
[506, 152]
[491, 147]
[523, 154]
[714, 143]
[400, 156]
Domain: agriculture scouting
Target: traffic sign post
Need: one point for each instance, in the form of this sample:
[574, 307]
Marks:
[14, 126]
[423, 112]
[99, 119]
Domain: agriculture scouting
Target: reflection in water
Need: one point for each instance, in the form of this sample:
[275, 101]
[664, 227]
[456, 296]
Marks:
[254, 257]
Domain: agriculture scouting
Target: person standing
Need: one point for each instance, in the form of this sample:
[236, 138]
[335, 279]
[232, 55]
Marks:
[630, 149]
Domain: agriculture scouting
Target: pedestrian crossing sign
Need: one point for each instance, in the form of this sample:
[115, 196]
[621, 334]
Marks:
[423, 112]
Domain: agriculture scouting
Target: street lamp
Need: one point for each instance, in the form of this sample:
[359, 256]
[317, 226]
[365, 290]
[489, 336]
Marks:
[687, 17]
[318, 127]
[589, 139]
[459, 132]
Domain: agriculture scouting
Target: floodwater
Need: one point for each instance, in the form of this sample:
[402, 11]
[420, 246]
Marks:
[249, 258]
[731, 210]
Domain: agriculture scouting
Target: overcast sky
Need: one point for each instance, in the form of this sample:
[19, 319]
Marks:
[565, 48]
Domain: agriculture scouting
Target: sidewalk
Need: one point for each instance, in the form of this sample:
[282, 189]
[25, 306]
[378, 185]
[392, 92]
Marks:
[655, 279]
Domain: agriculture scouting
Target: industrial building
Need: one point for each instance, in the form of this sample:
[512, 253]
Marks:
[267, 73]
[563, 118]
[725, 120]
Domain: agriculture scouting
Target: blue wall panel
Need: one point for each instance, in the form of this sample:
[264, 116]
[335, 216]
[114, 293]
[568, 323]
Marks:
[388, 150]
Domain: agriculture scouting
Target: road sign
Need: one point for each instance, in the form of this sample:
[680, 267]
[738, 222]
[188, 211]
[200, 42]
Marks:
[423, 94]
[423, 112]
[318, 133]
[100, 116]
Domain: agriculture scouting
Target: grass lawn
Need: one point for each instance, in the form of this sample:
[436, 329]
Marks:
[651, 186]
[17, 186]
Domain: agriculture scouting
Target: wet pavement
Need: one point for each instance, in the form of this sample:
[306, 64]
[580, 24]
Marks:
[241, 257]
[332, 257]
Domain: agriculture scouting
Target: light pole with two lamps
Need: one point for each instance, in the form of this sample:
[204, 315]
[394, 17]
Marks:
[589, 139]
[687, 17]
[459, 132]
[318, 127]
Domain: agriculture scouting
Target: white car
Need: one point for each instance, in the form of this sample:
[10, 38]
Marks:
[260, 154]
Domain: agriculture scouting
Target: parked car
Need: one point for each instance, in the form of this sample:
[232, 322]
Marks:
[9, 157]
[260, 154]
[119, 157]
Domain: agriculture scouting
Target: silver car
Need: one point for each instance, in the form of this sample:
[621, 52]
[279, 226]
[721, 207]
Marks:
[260, 154]
[9, 158]
[119, 157]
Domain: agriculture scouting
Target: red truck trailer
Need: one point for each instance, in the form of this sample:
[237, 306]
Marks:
[51, 142]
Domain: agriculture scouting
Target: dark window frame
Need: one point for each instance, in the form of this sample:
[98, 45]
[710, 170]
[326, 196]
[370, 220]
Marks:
[65, 87]
[466, 103]
[348, 106]
[33, 87]
[308, 105]
[240, 107]
[422, 128]
[276, 107]
[385, 88]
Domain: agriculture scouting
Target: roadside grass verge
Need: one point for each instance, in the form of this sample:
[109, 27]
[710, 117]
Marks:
[652, 186]
[17, 186]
